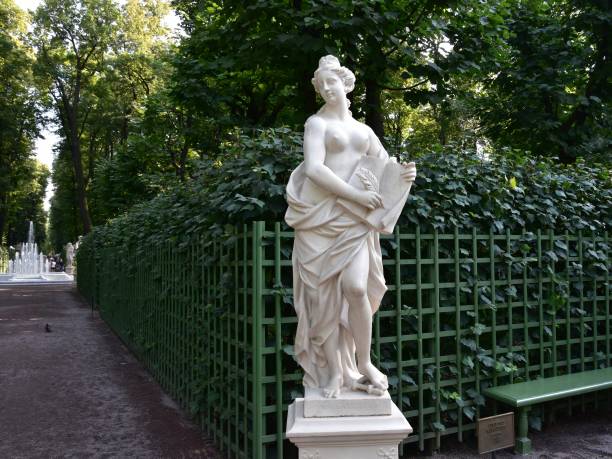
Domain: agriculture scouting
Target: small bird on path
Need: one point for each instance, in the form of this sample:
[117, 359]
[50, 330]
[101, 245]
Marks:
[47, 328]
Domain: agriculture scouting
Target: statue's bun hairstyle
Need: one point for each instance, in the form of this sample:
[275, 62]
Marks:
[332, 64]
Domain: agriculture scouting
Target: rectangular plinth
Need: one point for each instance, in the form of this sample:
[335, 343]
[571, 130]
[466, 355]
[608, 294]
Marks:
[348, 403]
[347, 437]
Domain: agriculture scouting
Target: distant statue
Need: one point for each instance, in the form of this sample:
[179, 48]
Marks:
[345, 192]
[69, 257]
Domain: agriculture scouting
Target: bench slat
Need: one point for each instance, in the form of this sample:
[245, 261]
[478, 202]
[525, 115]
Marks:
[545, 389]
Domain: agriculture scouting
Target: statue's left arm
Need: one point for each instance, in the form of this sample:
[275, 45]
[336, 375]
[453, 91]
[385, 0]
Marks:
[376, 149]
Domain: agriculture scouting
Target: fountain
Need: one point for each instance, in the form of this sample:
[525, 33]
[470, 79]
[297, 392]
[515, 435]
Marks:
[31, 266]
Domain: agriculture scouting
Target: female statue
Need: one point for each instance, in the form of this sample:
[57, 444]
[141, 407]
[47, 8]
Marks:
[337, 264]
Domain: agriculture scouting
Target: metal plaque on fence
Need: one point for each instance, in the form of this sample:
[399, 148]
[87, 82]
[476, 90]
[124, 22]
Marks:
[495, 432]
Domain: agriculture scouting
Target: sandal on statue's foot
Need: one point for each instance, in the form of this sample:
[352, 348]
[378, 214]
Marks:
[369, 388]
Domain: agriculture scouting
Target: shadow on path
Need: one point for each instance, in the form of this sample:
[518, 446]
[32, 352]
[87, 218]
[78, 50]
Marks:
[76, 391]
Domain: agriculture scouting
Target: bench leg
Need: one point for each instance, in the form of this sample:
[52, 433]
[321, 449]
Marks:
[523, 443]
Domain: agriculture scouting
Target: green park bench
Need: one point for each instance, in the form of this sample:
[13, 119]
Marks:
[524, 395]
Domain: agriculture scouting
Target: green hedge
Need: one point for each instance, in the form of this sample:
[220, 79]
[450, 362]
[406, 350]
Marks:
[455, 187]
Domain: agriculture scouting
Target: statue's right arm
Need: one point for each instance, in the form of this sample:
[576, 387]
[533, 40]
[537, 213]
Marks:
[314, 157]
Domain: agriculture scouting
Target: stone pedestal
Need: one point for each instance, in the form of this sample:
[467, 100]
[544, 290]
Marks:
[349, 403]
[348, 436]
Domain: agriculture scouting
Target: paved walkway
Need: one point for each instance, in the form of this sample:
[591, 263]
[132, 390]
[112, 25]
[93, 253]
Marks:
[76, 391]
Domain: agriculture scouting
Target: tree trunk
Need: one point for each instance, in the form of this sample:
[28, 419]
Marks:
[307, 93]
[70, 122]
[3, 212]
[77, 164]
[305, 89]
[373, 110]
[443, 122]
[597, 84]
[71, 129]
[185, 147]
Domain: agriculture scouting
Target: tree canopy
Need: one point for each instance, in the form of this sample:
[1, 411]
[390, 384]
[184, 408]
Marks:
[139, 109]
[22, 180]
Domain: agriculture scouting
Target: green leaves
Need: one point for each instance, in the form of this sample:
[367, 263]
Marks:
[20, 176]
[438, 426]
[455, 187]
[541, 97]
[242, 184]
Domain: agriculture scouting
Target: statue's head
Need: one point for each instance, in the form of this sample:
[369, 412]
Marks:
[331, 65]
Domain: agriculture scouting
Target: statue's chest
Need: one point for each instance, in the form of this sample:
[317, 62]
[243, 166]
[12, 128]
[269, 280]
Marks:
[345, 137]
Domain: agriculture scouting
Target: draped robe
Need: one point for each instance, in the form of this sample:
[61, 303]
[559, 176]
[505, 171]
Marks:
[326, 240]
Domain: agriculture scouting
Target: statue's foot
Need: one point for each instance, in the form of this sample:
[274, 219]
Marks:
[332, 390]
[348, 379]
[373, 376]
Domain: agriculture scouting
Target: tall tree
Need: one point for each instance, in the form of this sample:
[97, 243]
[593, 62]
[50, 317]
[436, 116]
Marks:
[552, 92]
[119, 147]
[27, 204]
[18, 113]
[247, 69]
[64, 222]
[72, 37]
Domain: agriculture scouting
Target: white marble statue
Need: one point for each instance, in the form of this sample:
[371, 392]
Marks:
[340, 197]
[69, 257]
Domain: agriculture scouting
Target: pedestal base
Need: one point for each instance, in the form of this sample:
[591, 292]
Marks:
[347, 437]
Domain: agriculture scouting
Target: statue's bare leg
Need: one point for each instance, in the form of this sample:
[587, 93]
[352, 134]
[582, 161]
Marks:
[332, 354]
[354, 288]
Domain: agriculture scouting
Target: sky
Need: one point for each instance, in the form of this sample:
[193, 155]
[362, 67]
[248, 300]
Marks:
[43, 147]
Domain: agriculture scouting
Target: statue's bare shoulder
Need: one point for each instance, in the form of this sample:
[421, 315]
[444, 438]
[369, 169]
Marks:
[315, 123]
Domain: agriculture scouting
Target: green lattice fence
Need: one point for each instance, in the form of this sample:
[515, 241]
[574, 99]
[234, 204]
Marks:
[214, 323]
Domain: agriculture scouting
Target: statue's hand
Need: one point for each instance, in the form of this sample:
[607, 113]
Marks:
[369, 199]
[409, 172]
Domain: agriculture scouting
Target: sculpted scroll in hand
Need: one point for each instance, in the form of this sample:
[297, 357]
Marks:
[337, 264]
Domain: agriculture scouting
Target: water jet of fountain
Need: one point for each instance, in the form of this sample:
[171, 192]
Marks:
[31, 233]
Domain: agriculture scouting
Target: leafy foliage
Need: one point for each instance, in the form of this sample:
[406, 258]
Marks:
[454, 187]
[64, 222]
[551, 91]
[508, 189]
[21, 179]
[27, 204]
[98, 61]
[246, 182]
[513, 75]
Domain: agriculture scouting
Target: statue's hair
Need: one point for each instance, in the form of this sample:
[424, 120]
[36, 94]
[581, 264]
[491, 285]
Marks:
[332, 64]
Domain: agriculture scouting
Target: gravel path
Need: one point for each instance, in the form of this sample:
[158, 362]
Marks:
[76, 391]
[583, 436]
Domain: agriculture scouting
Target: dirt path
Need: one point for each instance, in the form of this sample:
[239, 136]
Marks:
[76, 391]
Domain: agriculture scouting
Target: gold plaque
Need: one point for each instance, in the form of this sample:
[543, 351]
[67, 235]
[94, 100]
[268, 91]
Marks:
[495, 432]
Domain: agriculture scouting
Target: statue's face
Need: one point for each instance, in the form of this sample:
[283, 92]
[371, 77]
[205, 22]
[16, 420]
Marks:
[330, 87]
